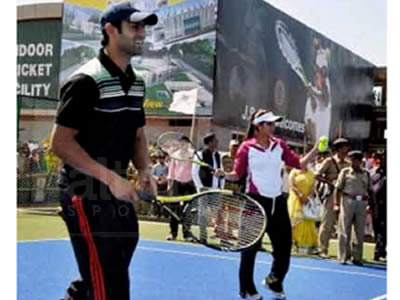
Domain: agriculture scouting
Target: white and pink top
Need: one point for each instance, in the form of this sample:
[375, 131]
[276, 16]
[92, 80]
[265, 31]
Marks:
[263, 166]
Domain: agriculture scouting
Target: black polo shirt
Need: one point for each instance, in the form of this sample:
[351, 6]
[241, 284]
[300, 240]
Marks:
[106, 111]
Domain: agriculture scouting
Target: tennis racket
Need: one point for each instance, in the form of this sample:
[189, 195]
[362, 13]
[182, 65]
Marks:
[180, 147]
[289, 50]
[219, 219]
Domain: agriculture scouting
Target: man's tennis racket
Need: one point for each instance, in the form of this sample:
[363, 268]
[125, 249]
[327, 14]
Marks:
[180, 147]
[289, 51]
[241, 220]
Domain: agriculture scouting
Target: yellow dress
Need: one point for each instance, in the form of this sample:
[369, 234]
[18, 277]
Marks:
[304, 232]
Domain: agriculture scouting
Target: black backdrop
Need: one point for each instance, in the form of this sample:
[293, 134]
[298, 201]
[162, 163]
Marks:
[251, 72]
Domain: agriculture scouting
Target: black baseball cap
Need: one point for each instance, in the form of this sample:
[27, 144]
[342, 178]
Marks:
[125, 11]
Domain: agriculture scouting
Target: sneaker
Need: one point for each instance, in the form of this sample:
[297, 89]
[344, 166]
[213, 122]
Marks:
[313, 251]
[189, 239]
[323, 254]
[245, 295]
[60, 213]
[380, 257]
[171, 237]
[275, 288]
[357, 263]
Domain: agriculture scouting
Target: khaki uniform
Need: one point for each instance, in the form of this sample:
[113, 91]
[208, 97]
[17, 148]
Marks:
[328, 220]
[352, 211]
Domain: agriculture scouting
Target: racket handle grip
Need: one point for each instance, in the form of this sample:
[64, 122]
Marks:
[146, 196]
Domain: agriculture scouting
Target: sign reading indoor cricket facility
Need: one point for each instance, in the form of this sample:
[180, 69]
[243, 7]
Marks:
[270, 60]
[178, 56]
[38, 58]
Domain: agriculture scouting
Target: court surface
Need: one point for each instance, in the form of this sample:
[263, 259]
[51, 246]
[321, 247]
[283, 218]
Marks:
[174, 271]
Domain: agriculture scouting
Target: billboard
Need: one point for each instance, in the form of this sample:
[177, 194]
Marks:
[38, 60]
[270, 60]
[179, 51]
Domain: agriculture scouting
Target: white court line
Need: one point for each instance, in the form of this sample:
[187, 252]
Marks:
[228, 258]
[262, 262]
[43, 240]
[379, 297]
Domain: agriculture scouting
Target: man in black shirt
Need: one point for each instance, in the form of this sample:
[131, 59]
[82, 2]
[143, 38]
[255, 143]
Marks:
[99, 129]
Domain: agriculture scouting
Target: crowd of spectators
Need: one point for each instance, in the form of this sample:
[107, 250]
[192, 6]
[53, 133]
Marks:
[37, 171]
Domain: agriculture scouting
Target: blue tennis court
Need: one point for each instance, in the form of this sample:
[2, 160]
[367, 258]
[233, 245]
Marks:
[171, 271]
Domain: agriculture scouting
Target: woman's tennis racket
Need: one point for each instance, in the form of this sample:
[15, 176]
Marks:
[180, 147]
[289, 51]
[220, 219]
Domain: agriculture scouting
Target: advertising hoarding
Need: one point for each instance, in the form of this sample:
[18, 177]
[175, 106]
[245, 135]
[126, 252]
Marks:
[270, 60]
[179, 51]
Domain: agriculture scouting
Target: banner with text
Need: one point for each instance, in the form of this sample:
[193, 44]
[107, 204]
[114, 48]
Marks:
[38, 58]
[270, 60]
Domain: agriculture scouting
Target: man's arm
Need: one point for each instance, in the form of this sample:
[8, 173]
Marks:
[221, 178]
[196, 176]
[371, 194]
[141, 161]
[337, 195]
[65, 146]
[322, 170]
[141, 153]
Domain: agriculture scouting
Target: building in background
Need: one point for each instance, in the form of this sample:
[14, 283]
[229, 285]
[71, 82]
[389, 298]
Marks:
[39, 28]
[245, 69]
[378, 138]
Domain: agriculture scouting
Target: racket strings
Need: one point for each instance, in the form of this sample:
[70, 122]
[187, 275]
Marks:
[289, 50]
[287, 44]
[225, 220]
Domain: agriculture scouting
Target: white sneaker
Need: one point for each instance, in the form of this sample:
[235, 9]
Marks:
[277, 295]
[255, 296]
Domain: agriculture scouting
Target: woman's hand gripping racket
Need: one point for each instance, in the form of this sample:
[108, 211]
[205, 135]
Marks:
[241, 220]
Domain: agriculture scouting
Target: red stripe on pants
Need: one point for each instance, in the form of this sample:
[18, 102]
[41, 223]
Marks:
[96, 272]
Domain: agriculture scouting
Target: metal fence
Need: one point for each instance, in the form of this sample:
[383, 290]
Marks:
[37, 167]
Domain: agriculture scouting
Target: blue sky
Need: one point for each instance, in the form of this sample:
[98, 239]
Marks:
[359, 25]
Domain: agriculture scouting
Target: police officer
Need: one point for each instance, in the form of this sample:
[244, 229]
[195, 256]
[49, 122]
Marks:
[352, 195]
[328, 172]
[379, 184]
